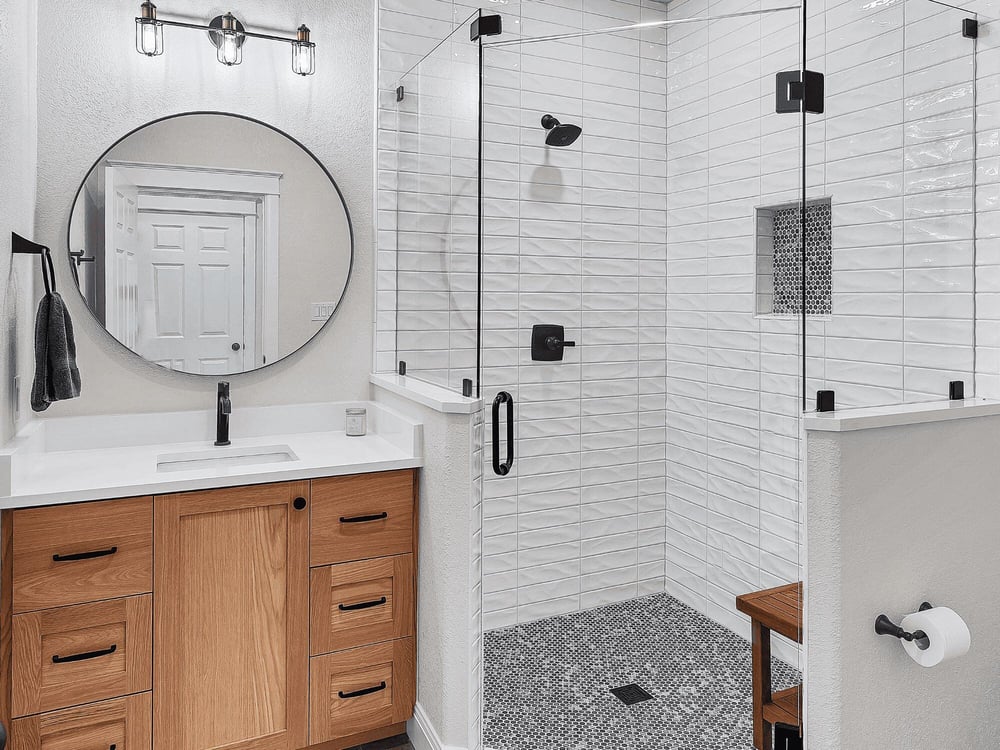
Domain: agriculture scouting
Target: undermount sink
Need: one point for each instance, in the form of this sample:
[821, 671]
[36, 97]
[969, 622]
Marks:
[225, 457]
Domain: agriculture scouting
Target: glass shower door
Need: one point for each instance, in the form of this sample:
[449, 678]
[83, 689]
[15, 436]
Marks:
[656, 459]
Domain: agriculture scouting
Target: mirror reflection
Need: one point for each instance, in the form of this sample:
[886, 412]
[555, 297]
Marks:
[210, 243]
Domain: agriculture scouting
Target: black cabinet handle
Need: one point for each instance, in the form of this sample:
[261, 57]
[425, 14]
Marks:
[362, 605]
[84, 656]
[359, 693]
[365, 519]
[503, 469]
[85, 555]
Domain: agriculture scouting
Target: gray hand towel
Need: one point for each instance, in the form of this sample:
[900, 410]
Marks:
[56, 375]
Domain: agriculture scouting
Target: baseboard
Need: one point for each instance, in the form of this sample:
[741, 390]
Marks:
[422, 734]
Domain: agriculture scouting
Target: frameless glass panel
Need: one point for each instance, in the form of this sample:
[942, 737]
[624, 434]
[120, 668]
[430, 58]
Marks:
[437, 218]
[657, 460]
[895, 157]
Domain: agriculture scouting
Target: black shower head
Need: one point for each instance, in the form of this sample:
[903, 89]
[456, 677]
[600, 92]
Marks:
[559, 134]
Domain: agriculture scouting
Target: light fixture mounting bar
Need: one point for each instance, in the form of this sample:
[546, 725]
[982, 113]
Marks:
[207, 27]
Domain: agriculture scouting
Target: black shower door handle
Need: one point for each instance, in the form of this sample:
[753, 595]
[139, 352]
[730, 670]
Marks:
[503, 469]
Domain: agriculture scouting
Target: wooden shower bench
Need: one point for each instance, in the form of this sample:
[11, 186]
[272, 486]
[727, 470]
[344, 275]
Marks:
[779, 610]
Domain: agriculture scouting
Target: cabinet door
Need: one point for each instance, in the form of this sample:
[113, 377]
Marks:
[231, 622]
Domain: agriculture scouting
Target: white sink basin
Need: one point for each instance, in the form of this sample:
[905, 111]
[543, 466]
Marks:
[222, 458]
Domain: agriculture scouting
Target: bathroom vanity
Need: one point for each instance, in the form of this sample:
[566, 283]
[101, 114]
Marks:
[272, 615]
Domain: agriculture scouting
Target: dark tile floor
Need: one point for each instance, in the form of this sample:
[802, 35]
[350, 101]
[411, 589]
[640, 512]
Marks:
[400, 742]
[548, 684]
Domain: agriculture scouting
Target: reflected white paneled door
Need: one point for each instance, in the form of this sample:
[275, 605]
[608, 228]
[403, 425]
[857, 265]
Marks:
[191, 290]
[121, 307]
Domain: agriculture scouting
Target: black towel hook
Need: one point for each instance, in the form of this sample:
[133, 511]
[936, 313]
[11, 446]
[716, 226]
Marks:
[25, 246]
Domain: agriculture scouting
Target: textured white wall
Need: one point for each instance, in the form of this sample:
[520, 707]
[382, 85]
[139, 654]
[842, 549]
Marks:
[94, 87]
[17, 203]
[887, 532]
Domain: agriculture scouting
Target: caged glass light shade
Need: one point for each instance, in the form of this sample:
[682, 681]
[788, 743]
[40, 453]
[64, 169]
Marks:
[303, 53]
[230, 42]
[148, 32]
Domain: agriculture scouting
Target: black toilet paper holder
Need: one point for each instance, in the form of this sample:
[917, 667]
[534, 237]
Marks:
[885, 626]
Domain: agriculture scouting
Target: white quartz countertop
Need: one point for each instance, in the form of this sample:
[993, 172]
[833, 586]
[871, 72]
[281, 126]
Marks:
[55, 461]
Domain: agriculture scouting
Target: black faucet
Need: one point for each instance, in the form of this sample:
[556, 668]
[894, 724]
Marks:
[222, 412]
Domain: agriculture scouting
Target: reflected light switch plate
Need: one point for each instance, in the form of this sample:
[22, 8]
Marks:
[322, 311]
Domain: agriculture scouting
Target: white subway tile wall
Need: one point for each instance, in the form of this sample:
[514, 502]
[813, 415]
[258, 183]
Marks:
[896, 151]
[988, 201]
[662, 454]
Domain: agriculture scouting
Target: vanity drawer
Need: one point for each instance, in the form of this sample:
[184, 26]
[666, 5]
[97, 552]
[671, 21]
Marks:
[81, 654]
[70, 554]
[358, 603]
[122, 723]
[361, 689]
[363, 516]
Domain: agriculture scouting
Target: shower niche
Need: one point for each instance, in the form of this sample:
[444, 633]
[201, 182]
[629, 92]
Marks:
[781, 266]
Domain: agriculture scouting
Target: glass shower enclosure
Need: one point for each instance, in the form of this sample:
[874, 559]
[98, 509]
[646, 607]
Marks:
[598, 230]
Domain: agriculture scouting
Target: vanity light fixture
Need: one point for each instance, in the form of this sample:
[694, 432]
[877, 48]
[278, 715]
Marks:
[227, 34]
[303, 53]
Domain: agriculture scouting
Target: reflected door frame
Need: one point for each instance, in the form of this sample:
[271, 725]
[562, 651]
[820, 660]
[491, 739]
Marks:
[173, 187]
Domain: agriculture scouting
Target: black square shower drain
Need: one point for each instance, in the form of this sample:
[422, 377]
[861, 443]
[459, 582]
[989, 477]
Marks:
[631, 694]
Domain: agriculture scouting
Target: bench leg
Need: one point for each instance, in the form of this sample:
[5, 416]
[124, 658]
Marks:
[761, 650]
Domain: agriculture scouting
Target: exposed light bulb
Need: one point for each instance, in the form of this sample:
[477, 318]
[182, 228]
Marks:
[229, 50]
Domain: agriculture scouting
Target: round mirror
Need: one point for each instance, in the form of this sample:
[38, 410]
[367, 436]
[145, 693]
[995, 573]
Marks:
[210, 243]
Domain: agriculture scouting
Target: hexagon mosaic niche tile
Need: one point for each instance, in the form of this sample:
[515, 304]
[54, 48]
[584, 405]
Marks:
[779, 270]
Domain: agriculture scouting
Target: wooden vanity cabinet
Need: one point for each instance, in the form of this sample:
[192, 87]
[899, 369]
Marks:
[267, 617]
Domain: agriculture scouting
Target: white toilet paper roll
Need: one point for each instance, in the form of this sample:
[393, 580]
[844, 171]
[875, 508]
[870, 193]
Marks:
[948, 636]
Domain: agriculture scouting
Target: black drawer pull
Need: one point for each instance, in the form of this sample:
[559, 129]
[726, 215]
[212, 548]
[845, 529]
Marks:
[363, 605]
[86, 655]
[85, 555]
[359, 693]
[365, 519]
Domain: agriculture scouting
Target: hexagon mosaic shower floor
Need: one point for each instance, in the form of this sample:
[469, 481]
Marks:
[548, 683]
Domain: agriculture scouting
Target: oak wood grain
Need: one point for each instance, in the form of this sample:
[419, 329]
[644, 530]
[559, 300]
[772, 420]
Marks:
[6, 613]
[333, 677]
[231, 576]
[336, 589]
[122, 723]
[40, 684]
[40, 582]
[334, 541]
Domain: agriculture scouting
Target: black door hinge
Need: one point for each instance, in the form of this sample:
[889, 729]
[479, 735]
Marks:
[795, 90]
[970, 28]
[400, 93]
[486, 26]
